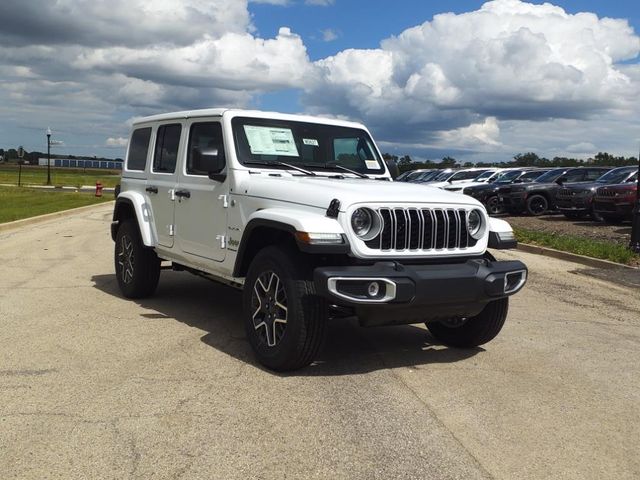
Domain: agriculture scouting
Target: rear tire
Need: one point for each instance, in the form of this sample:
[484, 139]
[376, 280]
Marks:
[285, 321]
[137, 267]
[475, 331]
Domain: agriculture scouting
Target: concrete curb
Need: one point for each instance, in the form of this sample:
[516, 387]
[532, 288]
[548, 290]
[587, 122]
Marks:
[572, 257]
[50, 216]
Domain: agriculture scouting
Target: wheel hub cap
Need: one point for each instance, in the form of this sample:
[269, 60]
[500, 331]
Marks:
[125, 259]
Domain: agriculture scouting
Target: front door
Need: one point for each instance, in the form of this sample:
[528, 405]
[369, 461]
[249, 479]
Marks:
[161, 184]
[201, 207]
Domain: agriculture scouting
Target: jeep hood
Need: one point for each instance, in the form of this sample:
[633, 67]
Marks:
[320, 190]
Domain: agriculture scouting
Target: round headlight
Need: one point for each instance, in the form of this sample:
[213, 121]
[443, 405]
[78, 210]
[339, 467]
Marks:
[365, 223]
[474, 224]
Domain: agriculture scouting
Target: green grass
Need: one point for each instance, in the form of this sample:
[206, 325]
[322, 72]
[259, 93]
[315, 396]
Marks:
[62, 177]
[580, 245]
[18, 202]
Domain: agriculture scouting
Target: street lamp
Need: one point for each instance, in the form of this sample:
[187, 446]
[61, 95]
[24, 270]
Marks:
[48, 156]
[634, 244]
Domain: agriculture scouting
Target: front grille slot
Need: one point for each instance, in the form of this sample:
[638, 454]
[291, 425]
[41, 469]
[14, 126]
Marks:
[421, 230]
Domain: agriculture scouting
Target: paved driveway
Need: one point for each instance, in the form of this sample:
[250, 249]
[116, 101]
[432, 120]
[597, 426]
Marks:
[95, 386]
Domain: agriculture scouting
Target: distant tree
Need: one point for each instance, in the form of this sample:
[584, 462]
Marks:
[448, 162]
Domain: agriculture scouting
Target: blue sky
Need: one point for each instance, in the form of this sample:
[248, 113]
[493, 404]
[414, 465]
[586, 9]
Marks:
[485, 82]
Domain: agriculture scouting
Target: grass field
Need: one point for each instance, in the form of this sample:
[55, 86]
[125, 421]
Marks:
[62, 177]
[17, 202]
[580, 245]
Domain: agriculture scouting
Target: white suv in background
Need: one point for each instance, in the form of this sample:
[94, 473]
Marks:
[300, 213]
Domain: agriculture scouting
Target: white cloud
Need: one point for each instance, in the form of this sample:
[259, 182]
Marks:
[328, 35]
[272, 2]
[319, 3]
[509, 60]
[116, 142]
[511, 76]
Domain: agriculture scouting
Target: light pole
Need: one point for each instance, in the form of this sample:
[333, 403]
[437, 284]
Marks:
[634, 243]
[48, 156]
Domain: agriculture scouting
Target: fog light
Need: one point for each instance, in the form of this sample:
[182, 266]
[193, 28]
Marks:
[374, 289]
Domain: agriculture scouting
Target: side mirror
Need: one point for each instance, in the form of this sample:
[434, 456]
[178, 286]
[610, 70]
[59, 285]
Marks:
[561, 180]
[209, 160]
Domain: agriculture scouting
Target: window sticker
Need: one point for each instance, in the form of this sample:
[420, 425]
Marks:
[310, 141]
[372, 164]
[271, 141]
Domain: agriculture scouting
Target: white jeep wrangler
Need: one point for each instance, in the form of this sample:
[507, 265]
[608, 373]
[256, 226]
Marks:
[301, 213]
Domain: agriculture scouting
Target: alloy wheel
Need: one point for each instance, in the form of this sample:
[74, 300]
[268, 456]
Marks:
[125, 259]
[269, 305]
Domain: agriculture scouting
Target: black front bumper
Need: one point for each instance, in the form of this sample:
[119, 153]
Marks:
[418, 293]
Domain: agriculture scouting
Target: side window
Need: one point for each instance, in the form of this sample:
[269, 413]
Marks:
[138, 148]
[166, 153]
[593, 174]
[202, 137]
[575, 176]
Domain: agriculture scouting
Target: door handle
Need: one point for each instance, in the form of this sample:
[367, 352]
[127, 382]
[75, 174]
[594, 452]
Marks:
[152, 189]
[183, 193]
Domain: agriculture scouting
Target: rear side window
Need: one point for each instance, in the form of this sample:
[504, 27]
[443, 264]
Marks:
[138, 148]
[593, 174]
[203, 136]
[167, 143]
[574, 176]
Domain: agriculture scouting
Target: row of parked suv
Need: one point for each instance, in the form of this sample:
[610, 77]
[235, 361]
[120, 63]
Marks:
[604, 193]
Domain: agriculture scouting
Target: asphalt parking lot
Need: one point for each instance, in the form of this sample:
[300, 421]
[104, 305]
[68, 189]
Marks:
[95, 386]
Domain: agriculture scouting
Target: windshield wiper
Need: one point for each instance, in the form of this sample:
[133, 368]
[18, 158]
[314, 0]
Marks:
[339, 167]
[283, 164]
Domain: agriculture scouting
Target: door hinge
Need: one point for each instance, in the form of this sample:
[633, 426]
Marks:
[171, 230]
[225, 201]
[223, 241]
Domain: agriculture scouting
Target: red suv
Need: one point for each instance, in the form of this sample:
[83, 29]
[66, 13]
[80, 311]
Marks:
[615, 202]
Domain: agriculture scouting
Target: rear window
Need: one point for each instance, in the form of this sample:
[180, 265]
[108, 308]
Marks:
[138, 149]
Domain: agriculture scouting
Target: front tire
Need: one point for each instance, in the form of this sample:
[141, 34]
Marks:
[537, 205]
[494, 207]
[137, 267]
[473, 331]
[284, 319]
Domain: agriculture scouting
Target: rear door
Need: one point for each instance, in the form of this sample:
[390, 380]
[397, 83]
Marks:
[161, 185]
[201, 209]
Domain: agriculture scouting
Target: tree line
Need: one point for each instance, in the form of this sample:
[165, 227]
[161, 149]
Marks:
[528, 159]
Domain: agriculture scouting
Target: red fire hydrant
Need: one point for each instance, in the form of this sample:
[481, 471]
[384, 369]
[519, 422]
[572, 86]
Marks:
[98, 189]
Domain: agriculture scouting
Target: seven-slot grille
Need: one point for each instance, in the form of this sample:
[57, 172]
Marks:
[422, 229]
[603, 192]
[565, 192]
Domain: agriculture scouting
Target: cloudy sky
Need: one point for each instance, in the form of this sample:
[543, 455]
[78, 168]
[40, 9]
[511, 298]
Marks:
[475, 80]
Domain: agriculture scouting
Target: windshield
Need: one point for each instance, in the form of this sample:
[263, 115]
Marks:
[308, 145]
[426, 176]
[549, 177]
[506, 177]
[617, 175]
[486, 175]
[467, 175]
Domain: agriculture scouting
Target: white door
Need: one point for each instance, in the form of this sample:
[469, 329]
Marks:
[161, 184]
[201, 207]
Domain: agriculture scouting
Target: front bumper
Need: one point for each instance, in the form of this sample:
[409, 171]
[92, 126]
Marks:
[418, 293]
[612, 207]
[573, 205]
